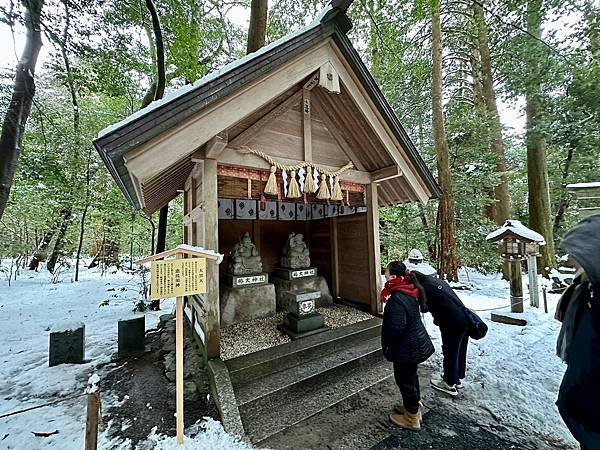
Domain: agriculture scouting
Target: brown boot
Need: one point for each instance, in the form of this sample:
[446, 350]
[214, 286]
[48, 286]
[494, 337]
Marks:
[400, 410]
[407, 421]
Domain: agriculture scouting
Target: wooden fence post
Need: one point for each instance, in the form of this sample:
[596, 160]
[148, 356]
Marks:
[545, 300]
[91, 424]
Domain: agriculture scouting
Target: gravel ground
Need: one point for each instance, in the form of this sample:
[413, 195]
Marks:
[248, 337]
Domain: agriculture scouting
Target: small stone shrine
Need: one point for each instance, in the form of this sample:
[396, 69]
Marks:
[296, 274]
[246, 293]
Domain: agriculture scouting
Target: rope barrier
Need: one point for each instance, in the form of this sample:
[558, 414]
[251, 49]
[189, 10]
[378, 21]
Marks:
[247, 150]
[42, 406]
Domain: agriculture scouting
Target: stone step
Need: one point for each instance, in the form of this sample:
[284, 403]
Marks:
[276, 385]
[272, 414]
[245, 369]
[359, 421]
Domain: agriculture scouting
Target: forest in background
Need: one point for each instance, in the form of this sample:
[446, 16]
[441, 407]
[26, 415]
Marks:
[444, 66]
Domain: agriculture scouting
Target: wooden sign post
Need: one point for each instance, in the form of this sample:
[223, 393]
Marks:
[184, 275]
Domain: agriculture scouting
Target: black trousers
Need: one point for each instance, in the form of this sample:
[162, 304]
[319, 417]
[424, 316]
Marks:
[454, 348]
[407, 380]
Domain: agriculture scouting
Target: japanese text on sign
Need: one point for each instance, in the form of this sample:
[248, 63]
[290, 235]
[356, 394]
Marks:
[178, 277]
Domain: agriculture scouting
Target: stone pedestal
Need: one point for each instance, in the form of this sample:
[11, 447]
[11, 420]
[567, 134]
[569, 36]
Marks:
[67, 345]
[241, 304]
[302, 319]
[303, 326]
[131, 337]
[284, 281]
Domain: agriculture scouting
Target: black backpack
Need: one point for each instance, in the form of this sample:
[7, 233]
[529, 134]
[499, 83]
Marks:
[476, 327]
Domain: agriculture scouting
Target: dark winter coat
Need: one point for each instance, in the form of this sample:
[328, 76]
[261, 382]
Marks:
[579, 339]
[442, 302]
[403, 335]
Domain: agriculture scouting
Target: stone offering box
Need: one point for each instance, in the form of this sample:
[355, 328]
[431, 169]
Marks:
[302, 319]
[67, 344]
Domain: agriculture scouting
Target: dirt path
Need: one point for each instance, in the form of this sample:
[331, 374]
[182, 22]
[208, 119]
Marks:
[147, 398]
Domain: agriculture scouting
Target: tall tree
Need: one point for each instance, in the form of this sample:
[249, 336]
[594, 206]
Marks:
[500, 210]
[13, 127]
[258, 25]
[448, 259]
[537, 165]
[160, 91]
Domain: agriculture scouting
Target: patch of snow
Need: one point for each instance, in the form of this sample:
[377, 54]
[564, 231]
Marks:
[424, 268]
[193, 248]
[175, 94]
[514, 371]
[62, 327]
[30, 306]
[516, 227]
[207, 434]
[591, 185]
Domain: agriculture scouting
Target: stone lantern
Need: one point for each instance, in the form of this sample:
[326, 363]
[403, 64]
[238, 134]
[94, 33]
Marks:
[515, 243]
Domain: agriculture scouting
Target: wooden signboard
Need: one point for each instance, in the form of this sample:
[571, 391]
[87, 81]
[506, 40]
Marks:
[177, 278]
[184, 275]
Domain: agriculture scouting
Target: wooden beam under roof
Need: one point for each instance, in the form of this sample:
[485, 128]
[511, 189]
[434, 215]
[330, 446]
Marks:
[333, 128]
[234, 158]
[245, 136]
[386, 173]
[216, 145]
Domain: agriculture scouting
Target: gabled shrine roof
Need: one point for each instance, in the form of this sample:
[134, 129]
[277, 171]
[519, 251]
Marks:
[146, 125]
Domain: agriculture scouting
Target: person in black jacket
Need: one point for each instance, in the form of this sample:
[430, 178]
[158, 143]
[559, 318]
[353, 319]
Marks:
[579, 338]
[404, 341]
[448, 313]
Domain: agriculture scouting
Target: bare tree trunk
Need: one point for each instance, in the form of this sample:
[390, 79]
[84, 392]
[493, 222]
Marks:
[59, 242]
[500, 211]
[41, 252]
[448, 259]
[564, 196]
[83, 216]
[160, 90]
[537, 165]
[258, 25]
[160, 51]
[19, 108]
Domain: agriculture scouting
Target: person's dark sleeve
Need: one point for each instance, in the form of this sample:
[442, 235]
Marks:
[394, 323]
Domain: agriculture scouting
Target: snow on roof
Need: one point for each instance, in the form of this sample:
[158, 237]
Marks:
[593, 185]
[193, 248]
[517, 228]
[172, 95]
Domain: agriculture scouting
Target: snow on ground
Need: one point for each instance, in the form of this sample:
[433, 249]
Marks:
[514, 371]
[29, 309]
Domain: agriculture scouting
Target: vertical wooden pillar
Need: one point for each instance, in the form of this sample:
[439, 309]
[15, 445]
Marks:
[373, 237]
[516, 286]
[179, 365]
[212, 329]
[335, 257]
[534, 289]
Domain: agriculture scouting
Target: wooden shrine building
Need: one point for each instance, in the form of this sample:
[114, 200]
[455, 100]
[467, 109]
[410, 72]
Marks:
[306, 101]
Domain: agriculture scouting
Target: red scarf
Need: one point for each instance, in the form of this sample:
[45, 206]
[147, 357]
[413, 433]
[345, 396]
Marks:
[399, 284]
